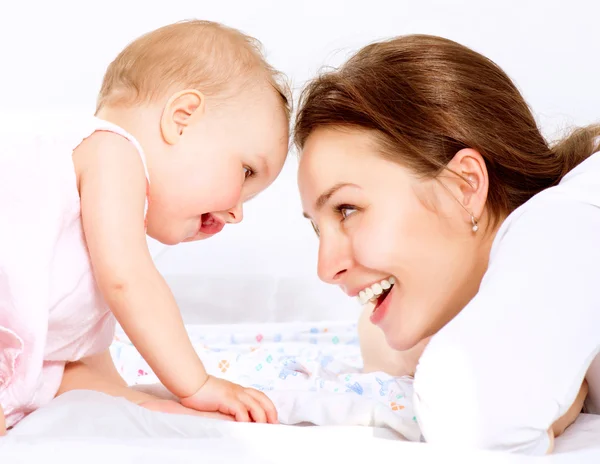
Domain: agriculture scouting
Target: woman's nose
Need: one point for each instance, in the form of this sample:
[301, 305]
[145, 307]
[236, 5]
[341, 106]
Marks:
[334, 259]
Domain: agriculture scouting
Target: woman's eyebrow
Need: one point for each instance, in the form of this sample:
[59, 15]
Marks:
[325, 196]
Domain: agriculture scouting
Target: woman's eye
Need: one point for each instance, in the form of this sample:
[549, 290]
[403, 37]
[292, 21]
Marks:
[346, 211]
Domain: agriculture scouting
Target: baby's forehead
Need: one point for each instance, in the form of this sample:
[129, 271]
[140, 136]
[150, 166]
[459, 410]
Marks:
[265, 119]
[262, 136]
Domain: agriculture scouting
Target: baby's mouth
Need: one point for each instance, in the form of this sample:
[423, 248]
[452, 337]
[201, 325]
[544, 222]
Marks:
[210, 224]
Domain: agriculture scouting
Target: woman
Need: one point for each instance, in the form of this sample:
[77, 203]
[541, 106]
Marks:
[440, 205]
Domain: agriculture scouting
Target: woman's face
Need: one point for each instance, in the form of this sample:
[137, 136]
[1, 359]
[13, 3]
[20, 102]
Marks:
[385, 231]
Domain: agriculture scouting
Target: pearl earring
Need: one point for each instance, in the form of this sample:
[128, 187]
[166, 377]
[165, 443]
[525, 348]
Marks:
[475, 227]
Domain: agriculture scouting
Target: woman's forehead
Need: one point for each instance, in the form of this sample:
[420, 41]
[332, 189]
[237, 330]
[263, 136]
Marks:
[334, 158]
[340, 139]
[330, 153]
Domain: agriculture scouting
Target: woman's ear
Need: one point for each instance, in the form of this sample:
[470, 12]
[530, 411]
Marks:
[181, 110]
[473, 183]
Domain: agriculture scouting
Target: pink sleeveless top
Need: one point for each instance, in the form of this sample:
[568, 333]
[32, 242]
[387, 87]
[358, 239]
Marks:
[51, 311]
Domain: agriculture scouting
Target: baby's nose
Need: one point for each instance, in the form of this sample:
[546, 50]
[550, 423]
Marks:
[235, 215]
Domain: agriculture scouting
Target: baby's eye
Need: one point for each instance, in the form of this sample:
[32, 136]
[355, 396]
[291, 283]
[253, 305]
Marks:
[248, 172]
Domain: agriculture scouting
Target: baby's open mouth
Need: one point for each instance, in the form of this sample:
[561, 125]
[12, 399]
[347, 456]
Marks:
[210, 224]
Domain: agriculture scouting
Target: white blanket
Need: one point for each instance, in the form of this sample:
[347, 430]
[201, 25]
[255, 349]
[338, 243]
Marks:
[313, 375]
[312, 372]
[94, 428]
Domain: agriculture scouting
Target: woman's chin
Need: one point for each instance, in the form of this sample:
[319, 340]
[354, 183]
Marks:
[403, 339]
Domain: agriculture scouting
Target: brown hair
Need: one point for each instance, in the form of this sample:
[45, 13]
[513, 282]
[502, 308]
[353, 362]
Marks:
[426, 98]
[204, 55]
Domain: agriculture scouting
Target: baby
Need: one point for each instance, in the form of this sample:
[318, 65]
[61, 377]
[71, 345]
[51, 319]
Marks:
[191, 122]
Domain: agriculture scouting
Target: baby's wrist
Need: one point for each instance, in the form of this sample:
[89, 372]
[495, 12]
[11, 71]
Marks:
[198, 388]
[202, 383]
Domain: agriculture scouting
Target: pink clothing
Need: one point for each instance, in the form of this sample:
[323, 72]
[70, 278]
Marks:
[51, 311]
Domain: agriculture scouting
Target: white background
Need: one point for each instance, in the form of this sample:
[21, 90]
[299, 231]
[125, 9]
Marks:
[54, 55]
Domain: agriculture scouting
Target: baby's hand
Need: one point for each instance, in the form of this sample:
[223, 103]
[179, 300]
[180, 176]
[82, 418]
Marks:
[245, 404]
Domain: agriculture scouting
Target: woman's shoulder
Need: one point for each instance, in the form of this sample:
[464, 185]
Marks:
[558, 227]
[583, 182]
[534, 318]
[571, 208]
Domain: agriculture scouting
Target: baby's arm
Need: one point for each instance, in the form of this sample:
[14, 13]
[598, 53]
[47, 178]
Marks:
[98, 373]
[112, 186]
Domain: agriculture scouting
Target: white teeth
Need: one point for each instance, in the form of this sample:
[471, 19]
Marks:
[375, 290]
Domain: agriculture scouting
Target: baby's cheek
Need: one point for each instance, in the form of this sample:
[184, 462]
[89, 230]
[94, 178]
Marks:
[224, 194]
[233, 194]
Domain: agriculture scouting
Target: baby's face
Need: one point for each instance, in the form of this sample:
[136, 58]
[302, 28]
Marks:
[228, 156]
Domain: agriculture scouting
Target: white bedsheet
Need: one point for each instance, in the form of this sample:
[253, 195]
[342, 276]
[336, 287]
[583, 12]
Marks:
[98, 428]
[312, 372]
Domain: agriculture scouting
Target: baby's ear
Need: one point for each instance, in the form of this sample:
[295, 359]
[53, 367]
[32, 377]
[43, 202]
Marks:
[179, 112]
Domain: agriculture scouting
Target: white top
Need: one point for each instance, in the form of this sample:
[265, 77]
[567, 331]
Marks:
[513, 360]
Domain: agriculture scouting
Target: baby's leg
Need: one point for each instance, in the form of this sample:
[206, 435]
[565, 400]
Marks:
[2, 423]
[98, 373]
[378, 356]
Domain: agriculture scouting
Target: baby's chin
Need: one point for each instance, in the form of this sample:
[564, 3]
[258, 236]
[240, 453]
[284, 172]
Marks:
[171, 238]
[197, 237]
[165, 240]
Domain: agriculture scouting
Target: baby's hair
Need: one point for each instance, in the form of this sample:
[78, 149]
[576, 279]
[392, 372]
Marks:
[203, 55]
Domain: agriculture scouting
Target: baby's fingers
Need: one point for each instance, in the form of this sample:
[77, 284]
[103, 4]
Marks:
[238, 410]
[256, 410]
[266, 404]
